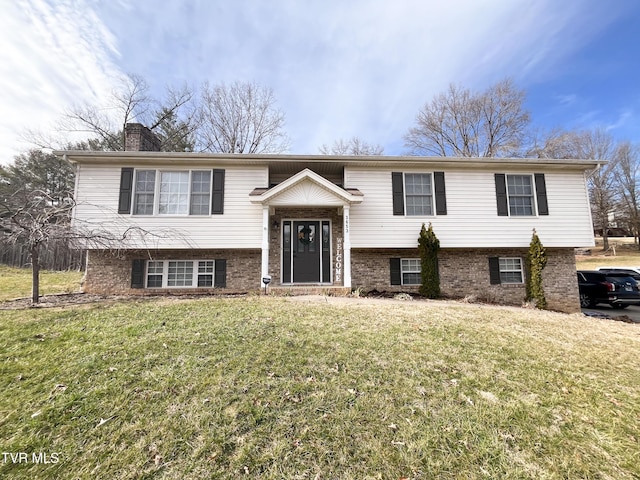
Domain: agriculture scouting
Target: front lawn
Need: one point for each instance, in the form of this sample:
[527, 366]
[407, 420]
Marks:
[16, 282]
[273, 388]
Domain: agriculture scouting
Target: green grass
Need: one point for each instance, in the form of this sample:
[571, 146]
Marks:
[626, 259]
[16, 282]
[272, 388]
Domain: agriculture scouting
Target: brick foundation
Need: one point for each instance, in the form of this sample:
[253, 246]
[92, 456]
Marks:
[109, 273]
[463, 272]
[466, 272]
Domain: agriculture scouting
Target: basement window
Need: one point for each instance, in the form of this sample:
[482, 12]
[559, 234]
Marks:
[511, 270]
[180, 273]
[410, 270]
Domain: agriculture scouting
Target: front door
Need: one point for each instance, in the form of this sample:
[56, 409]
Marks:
[306, 251]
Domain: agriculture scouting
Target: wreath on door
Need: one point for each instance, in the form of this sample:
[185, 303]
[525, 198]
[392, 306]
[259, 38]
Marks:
[305, 235]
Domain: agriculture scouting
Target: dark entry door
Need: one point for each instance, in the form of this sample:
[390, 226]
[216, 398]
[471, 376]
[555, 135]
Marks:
[306, 251]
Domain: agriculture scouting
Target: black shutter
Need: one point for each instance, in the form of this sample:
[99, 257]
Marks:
[126, 189]
[501, 195]
[541, 194]
[398, 193]
[441, 195]
[220, 280]
[396, 275]
[217, 194]
[494, 271]
[137, 273]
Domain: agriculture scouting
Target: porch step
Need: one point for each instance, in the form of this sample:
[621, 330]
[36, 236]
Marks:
[310, 290]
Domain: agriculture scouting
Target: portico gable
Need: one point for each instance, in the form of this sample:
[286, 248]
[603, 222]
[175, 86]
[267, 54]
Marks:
[302, 190]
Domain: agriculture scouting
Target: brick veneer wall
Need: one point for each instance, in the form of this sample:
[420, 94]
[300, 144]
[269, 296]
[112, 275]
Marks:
[466, 272]
[109, 273]
[275, 235]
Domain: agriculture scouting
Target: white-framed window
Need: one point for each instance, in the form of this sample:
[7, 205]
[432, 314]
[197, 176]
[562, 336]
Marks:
[200, 192]
[511, 270]
[520, 195]
[145, 187]
[180, 273]
[205, 273]
[155, 273]
[172, 192]
[418, 193]
[410, 271]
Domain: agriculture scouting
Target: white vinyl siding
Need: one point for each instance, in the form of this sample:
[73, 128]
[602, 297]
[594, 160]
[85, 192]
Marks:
[471, 220]
[520, 194]
[410, 271]
[240, 226]
[511, 270]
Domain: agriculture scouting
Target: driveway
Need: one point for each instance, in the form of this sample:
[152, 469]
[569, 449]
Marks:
[633, 312]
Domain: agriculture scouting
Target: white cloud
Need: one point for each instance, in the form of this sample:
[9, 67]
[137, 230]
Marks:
[338, 69]
[54, 54]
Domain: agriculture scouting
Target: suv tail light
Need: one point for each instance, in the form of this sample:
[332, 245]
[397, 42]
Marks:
[610, 286]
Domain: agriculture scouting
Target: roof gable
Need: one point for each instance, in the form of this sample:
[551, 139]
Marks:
[307, 188]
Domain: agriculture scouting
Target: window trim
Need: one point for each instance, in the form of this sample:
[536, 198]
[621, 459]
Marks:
[156, 192]
[534, 194]
[195, 267]
[432, 195]
[134, 188]
[403, 271]
[521, 270]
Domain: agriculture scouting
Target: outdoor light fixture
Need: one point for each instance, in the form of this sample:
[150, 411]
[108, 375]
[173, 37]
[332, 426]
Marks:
[266, 280]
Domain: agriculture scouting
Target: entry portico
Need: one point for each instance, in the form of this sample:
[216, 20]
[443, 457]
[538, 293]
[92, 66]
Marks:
[313, 248]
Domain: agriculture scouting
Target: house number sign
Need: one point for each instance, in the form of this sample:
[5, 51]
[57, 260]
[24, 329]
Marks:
[338, 263]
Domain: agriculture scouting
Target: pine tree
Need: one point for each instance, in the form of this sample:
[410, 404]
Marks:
[536, 261]
[428, 246]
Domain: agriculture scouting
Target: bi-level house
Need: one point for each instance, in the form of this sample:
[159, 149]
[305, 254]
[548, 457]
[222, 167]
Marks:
[221, 223]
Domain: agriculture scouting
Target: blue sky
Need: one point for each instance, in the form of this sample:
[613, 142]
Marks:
[338, 68]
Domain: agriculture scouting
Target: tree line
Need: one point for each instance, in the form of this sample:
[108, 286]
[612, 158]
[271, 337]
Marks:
[36, 189]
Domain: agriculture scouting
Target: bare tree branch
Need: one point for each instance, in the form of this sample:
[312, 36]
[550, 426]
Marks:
[462, 123]
[240, 118]
[353, 146]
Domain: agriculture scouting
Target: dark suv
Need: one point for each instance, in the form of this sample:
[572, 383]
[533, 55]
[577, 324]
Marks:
[616, 289]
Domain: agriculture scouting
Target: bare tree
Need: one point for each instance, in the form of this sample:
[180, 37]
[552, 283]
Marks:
[31, 219]
[556, 143]
[34, 218]
[463, 123]
[172, 118]
[627, 176]
[240, 118]
[353, 146]
[594, 144]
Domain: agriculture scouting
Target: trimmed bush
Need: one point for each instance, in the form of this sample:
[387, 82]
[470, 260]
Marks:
[536, 261]
[428, 246]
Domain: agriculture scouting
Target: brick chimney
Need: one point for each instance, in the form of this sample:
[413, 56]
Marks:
[140, 139]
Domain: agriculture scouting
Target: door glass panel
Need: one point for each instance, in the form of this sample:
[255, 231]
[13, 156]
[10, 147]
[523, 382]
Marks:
[300, 237]
[306, 238]
[312, 238]
[325, 236]
[286, 240]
